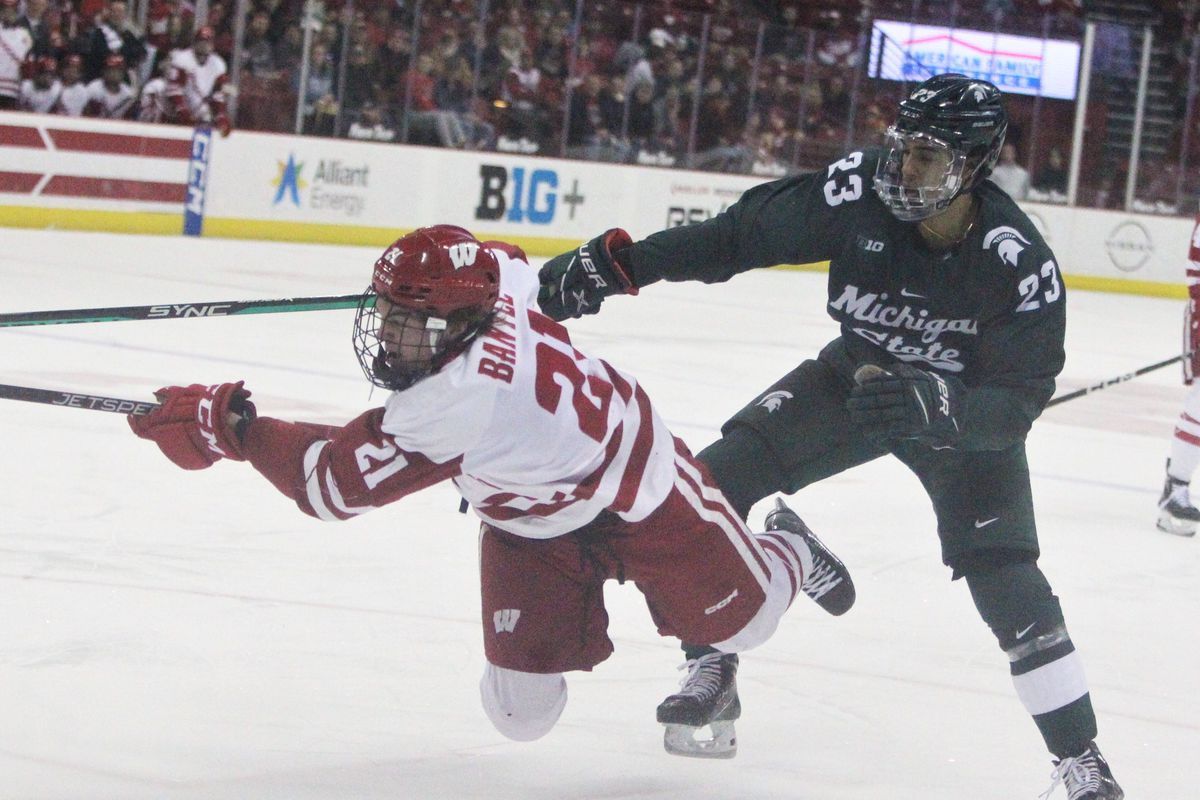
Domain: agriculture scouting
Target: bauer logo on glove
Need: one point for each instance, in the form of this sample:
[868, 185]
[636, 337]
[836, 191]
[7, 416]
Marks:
[904, 402]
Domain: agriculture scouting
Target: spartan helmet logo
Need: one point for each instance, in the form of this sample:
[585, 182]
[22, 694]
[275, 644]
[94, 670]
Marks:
[771, 402]
[462, 254]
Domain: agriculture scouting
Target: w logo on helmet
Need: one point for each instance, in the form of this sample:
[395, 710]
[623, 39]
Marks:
[462, 254]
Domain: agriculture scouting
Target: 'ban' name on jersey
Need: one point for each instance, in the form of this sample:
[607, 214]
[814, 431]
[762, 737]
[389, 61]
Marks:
[548, 436]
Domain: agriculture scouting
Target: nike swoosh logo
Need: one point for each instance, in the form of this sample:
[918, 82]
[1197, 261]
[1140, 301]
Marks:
[983, 523]
[1024, 631]
[907, 293]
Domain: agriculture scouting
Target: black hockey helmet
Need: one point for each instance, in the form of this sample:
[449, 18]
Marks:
[953, 125]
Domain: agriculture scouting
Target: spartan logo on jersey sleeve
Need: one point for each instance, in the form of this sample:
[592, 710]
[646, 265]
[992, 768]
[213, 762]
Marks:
[772, 401]
[1009, 243]
[462, 254]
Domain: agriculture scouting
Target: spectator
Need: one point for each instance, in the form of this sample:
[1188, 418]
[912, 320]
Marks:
[1009, 175]
[113, 34]
[456, 93]
[611, 103]
[360, 83]
[169, 25]
[258, 52]
[318, 94]
[393, 61]
[154, 103]
[521, 91]
[196, 88]
[583, 115]
[74, 95]
[370, 125]
[35, 21]
[288, 50]
[41, 92]
[109, 96]
[1052, 178]
[15, 46]
[640, 129]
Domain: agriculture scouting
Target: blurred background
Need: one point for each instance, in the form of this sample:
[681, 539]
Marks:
[1101, 94]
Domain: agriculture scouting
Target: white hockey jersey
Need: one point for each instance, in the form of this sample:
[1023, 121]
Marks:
[199, 83]
[35, 98]
[106, 103]
[537, 436]
[72, 100]
[15, 44]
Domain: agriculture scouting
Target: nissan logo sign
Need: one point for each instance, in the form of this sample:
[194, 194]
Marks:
[1129, 246]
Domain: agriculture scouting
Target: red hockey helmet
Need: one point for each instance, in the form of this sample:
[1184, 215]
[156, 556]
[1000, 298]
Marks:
[432, 292]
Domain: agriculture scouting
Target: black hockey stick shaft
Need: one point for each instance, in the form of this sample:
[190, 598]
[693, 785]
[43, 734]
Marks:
[178, 310]
[88, 402]
[1095, 387]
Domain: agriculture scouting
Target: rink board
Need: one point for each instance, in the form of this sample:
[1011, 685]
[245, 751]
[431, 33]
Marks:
[58, 172]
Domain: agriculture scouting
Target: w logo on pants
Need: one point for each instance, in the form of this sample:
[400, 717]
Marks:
[506, 619]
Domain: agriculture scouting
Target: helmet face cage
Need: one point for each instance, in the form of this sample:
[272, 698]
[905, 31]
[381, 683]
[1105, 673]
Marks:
[400, 347]
[934, 177]
[962, 114]
[432, 292]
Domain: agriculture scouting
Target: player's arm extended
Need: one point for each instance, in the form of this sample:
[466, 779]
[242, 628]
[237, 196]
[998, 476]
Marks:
[782, 222]
[339, 473]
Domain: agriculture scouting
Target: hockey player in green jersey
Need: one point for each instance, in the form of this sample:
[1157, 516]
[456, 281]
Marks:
[952, 319]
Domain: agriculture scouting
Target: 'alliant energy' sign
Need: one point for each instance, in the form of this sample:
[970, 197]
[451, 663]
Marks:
[901, 51]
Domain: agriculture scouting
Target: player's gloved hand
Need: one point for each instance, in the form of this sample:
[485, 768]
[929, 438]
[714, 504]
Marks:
[576, 283]
[221, 123]
[904, 402]
[196, 426]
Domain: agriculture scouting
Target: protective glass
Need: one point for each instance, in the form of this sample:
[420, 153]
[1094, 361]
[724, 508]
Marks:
[918, 174]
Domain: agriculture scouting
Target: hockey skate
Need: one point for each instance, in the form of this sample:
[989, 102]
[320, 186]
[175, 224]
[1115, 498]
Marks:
[1086, 777]
[1176, 514]
[829, 585]
[699, 718]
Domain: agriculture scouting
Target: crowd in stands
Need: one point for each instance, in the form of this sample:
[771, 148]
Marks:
[78, 59]
[749, 86]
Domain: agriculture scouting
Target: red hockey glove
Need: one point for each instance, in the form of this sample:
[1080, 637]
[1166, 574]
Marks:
[192, 427]
[221, 123]
[904, 402]
[1191, 341]
[576, 283]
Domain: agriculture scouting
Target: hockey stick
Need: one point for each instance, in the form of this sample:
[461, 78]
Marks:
[1095, 387]
[89, 402]
[178, 310]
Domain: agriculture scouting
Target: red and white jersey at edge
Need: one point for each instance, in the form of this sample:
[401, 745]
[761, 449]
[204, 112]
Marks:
[537, 436]
[199, 83]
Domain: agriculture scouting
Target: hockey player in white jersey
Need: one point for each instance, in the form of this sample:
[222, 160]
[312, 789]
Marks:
[1176, 512]
[109, 96]
[73, 98]
[15, 46]
[41, 93]
[576, 479]
[196, 87]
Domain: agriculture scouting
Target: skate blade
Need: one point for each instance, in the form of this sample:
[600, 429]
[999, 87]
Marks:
[715, 740]
[1176, 526]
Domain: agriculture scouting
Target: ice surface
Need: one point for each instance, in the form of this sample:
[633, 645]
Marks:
[175, 635]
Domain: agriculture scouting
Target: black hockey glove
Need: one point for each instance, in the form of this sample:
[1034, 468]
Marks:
[576, 283]
[903, 402]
